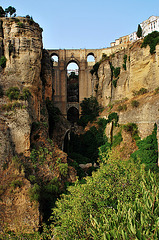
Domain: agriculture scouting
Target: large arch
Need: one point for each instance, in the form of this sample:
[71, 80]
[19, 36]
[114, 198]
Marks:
[72, 82]
[72, 114]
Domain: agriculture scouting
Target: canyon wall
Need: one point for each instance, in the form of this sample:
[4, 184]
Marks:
[141, 71]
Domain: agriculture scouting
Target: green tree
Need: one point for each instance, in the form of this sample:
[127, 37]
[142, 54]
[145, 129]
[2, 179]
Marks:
[10, 10]
[90, 110]
[139, 31]
[2, 12]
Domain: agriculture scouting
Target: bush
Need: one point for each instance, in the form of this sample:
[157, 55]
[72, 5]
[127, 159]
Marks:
[1, 92]
[90, 110]
[95, 69]
[152, 40]
[13, 93]
[140, 92]
[20, 24]
[16, 183]
[148, 151]
[118, 202]
[114, 82]
[134, 103]
[122, 107]
[63, 169]
[116, 72]
[133, 129]
[34, 193]
[3, 62]
[125, 59]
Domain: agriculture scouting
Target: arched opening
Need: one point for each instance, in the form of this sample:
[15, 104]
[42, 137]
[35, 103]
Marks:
[90, 59]
[72, 82]
[72, 114]
[54, 59]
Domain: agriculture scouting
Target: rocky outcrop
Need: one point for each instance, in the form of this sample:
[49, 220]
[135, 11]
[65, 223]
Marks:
[141, 70]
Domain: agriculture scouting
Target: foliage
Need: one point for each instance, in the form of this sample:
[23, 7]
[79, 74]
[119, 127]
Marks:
[139, 31]
[113, 116]
[122, 107]
[1, 91]
[140, 92]
[20, 24]
[157, 90]
[10, 10]
[134, 103]
[148, 151]
[16, 183]
[95, 69]
[152, 40]
[89, 110]
[114, 82]
[38, 156]
[13, 93]
[116, 72]
[34, 193]
[25, 94]
[117, 139]
[3, 62]
[119, 201]
[125, 59]
[133, 129]
[63, 169]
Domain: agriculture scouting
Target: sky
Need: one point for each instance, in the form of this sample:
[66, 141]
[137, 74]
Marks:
[91, 24]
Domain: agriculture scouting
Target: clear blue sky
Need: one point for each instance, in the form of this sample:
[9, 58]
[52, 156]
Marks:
[84, 23]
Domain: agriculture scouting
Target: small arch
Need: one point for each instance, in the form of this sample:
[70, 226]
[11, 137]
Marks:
[91, 58]
[72, 114]
[54, 59]
[72, 82]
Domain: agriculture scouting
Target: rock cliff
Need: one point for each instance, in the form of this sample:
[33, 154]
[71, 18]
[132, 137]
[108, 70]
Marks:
[139, 70]
[29, 161]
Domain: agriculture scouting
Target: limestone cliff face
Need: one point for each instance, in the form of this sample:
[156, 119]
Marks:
[22, 46]
[141, 71]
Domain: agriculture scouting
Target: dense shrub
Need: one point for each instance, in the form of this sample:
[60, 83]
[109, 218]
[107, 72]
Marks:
[133, 129]
[116, 72]
[134, 103]
[152, 40]
[122, 107]
[95, 69]
[125, 59]
[140, 92]
[3, 62]
[1, 92]
[118, 202]
[90, 110]
[148, 150]
[13, 93]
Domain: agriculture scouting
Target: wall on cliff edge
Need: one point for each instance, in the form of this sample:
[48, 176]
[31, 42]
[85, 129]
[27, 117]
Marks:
[142, 71]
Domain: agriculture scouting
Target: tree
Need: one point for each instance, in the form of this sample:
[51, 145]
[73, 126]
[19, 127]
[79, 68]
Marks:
[139, 31]
[11, 10]
[2, 12]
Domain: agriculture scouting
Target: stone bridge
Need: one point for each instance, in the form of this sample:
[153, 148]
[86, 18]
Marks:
[78, 56]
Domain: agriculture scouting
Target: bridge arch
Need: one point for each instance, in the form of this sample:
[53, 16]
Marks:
[78, 56]
[73, 114]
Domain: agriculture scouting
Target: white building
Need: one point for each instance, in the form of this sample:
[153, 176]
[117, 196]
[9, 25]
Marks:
[148, 26]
